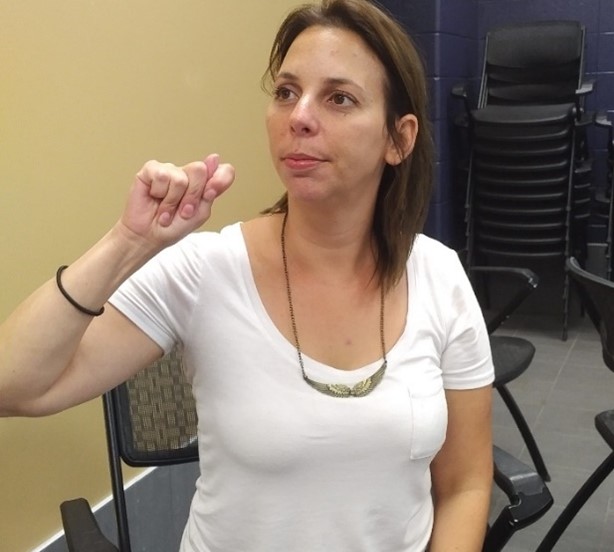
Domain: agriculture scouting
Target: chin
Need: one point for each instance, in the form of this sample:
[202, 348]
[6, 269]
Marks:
[306, 189]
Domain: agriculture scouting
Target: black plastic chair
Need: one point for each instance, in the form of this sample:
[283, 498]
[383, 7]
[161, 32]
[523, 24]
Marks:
[150, 421]
[525, 487]
[597, 295]
[512, 355]
[540, 62]
[532, 63]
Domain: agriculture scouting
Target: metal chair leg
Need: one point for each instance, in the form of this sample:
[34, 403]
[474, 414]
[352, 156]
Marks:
[525, 431]
[576, 503]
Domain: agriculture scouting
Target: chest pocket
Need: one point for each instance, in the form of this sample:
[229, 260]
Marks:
[429, 422]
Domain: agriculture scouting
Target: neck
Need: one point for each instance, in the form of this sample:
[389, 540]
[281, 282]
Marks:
[340, 242]
[336, 390]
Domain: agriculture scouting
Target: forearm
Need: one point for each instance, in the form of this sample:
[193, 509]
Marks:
[39, 340]
[45, 351]
[460, 521]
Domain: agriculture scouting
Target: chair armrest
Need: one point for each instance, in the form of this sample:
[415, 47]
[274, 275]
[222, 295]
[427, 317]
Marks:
[81, 528]
[586, 87]
[516, 479]
[460, 92]
[585, 119]
[601, 120]
[528, 283]
[529, 498]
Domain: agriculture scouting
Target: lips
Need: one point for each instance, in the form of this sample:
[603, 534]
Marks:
[301, 161]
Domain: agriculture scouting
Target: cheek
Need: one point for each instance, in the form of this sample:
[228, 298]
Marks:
[273, 128]
[371, 147]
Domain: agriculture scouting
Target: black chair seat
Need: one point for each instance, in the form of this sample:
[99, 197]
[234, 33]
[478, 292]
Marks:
[523, 149]
[511, 357]
[514, 180]
[514, 225]
[530, 93]
[540, 243]
[526, 115]
[505, 165]
[521, 210]
[539, 194]
[516, 253]
[522, 134]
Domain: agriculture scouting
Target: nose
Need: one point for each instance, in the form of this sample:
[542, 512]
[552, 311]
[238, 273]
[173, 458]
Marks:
[304, 117]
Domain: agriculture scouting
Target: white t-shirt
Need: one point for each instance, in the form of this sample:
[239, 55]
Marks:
[285, 468]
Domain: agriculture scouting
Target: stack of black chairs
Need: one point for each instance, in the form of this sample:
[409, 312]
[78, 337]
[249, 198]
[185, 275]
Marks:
[528, 170]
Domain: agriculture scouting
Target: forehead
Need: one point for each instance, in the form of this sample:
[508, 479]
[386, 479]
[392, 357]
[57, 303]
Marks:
[334, 53]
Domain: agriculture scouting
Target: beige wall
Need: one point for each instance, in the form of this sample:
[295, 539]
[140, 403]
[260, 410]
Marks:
[91, 89]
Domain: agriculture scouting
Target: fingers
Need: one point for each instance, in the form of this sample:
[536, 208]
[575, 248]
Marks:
[219, 182]
[212, 161]
[197, 175]
[179, 191]
[167, 184]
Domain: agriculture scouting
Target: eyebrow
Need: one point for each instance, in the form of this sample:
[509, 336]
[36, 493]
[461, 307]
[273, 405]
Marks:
[331, 81]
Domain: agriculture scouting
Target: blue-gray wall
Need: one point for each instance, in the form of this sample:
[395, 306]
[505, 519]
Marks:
[450, 34]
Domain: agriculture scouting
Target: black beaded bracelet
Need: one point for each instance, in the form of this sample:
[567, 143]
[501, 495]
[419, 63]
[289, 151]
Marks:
[80, 308]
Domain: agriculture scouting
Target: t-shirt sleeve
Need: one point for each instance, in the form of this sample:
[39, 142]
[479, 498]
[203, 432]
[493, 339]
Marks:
[466, 361]
[160, 296]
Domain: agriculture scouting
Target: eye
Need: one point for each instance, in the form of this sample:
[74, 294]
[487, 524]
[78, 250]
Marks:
[282, 93]
[342, 99]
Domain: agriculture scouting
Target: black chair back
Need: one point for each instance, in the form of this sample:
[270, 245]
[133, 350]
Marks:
[597, 295]
[150, 421]
[538, 62]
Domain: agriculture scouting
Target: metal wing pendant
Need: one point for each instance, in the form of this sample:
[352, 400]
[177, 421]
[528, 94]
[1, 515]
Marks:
[340, 390]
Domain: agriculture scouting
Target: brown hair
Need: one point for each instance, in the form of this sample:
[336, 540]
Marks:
[405, 189]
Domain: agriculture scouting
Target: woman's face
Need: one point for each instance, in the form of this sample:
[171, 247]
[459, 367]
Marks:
[327, 120]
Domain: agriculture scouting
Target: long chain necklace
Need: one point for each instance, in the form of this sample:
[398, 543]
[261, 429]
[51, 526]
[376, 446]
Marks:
[363, 387]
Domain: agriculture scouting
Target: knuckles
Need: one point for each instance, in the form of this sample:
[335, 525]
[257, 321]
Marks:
[174, 182]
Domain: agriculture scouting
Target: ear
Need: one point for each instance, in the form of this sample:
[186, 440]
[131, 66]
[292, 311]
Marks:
[407, 127]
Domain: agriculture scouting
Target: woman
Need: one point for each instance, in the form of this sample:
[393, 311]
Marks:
[339, 360]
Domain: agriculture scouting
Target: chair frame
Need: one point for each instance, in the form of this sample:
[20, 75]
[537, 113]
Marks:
[604, 421]
[529, 281]
[121, 449]
[529, 497]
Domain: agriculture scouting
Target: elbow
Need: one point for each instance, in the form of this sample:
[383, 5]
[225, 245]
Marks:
[12, 407]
